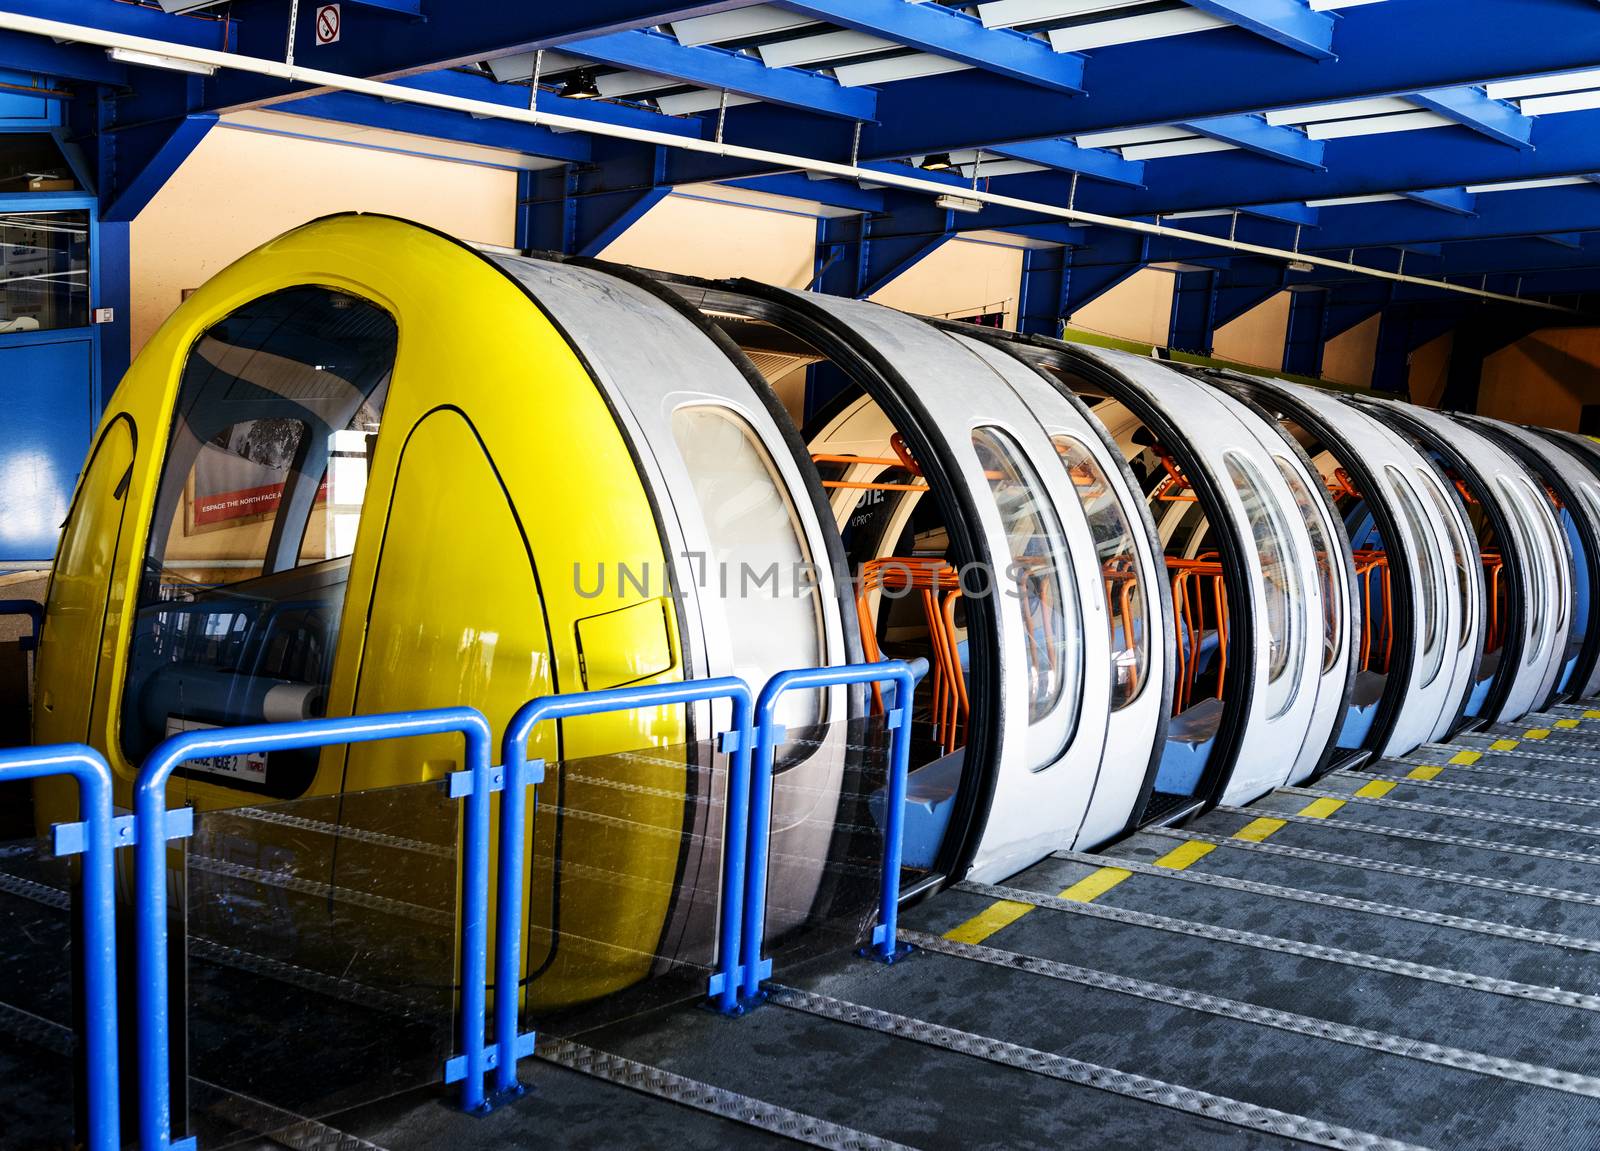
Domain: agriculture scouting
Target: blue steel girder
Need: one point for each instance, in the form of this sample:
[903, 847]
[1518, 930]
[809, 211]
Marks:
[375, 43]
[68, 62]
[1253, 134]
[1290, 23]
[1306, 335]
[711, 67]
[955, 36]
[437, 123]
[1194, 311]
[1042, 293]
[579, 209]
[829, 193]
[1471, 107]
[1457, 200]
[1066, 156]
[1229, 71]
[145, 158]
[854, 260]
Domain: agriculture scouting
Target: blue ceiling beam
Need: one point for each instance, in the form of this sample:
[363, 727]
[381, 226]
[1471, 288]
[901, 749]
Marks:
[438, 124]
[1065, 156]
[71, 62]
[373, 43]
[1563, 239]
[1457, 200]
[200, 30]
[955, 36]
[1366, 165]
[1567, 209]
[404, 7]
[716, 68]
[832, 193]
[1285, 213]
[1229, 71]
[474, 87]
[1472, 108]
[1254, 134]
[1290, 23]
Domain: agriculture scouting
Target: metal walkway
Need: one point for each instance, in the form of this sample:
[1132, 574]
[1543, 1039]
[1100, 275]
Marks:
[1399, 957]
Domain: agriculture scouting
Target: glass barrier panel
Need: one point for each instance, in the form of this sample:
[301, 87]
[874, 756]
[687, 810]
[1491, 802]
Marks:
[39, 917]
[321, 955]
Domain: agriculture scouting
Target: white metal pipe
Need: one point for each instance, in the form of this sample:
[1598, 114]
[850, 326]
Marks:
[295, 73]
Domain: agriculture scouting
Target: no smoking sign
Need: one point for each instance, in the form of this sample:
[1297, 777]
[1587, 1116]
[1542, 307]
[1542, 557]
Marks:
[328, 24]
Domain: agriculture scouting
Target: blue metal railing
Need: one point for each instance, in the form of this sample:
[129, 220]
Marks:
[96, 836]
[150, 899]
[33, 610]
[769, 734]
[736, 742]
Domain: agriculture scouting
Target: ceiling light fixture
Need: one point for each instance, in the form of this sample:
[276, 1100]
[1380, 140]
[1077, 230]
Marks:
[957, 204]
[155, 60]
[582, 86]
[938, 162]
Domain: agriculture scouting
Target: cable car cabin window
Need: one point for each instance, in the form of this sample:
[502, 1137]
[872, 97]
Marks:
[1119, 566]
[1458, 545]
[1035, 574]
[759, 560]
[1281, 583]
[276, 419]
[1432, 590]
[1306, 503]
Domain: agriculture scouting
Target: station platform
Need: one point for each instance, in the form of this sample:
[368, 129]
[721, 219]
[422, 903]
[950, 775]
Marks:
[1401, 956]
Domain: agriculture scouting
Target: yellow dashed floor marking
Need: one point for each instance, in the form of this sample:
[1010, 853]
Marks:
[988, 921]
[1186, 855]
[1092, 887]
[1567, 723]
[1423, 772]
[1591, 714]
[1536, 733]
[1259, 829]
[1377, 789]
[1466, 758]
[1321, 808]
[1005, 912]
[1503, 745]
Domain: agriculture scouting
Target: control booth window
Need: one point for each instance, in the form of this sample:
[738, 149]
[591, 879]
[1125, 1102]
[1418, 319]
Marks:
[44, 271]
[261, 493]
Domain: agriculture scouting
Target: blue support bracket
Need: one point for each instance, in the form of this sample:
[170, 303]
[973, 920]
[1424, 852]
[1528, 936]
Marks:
[73, 838]
[1457, 200]
[954, 35]
[717, 68]
[736, 743]
[99, 941]
[1254, 134]
[1471, 107]
[886, 947]
[150, 882]
[1288, 22]
[455, 1069]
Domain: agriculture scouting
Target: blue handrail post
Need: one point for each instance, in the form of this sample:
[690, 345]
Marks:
[150, 895]
[96, 837]
[769, 734]
[520, 772]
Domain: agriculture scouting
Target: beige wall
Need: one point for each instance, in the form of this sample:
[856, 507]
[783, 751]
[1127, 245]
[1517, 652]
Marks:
[1546, 378]
[959, 278]
[1348, 357]
[241, 188]
[716, 240]
[1257, 337]
[1139, 308]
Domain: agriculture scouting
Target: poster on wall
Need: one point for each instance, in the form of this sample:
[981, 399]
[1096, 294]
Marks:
[240, 474]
